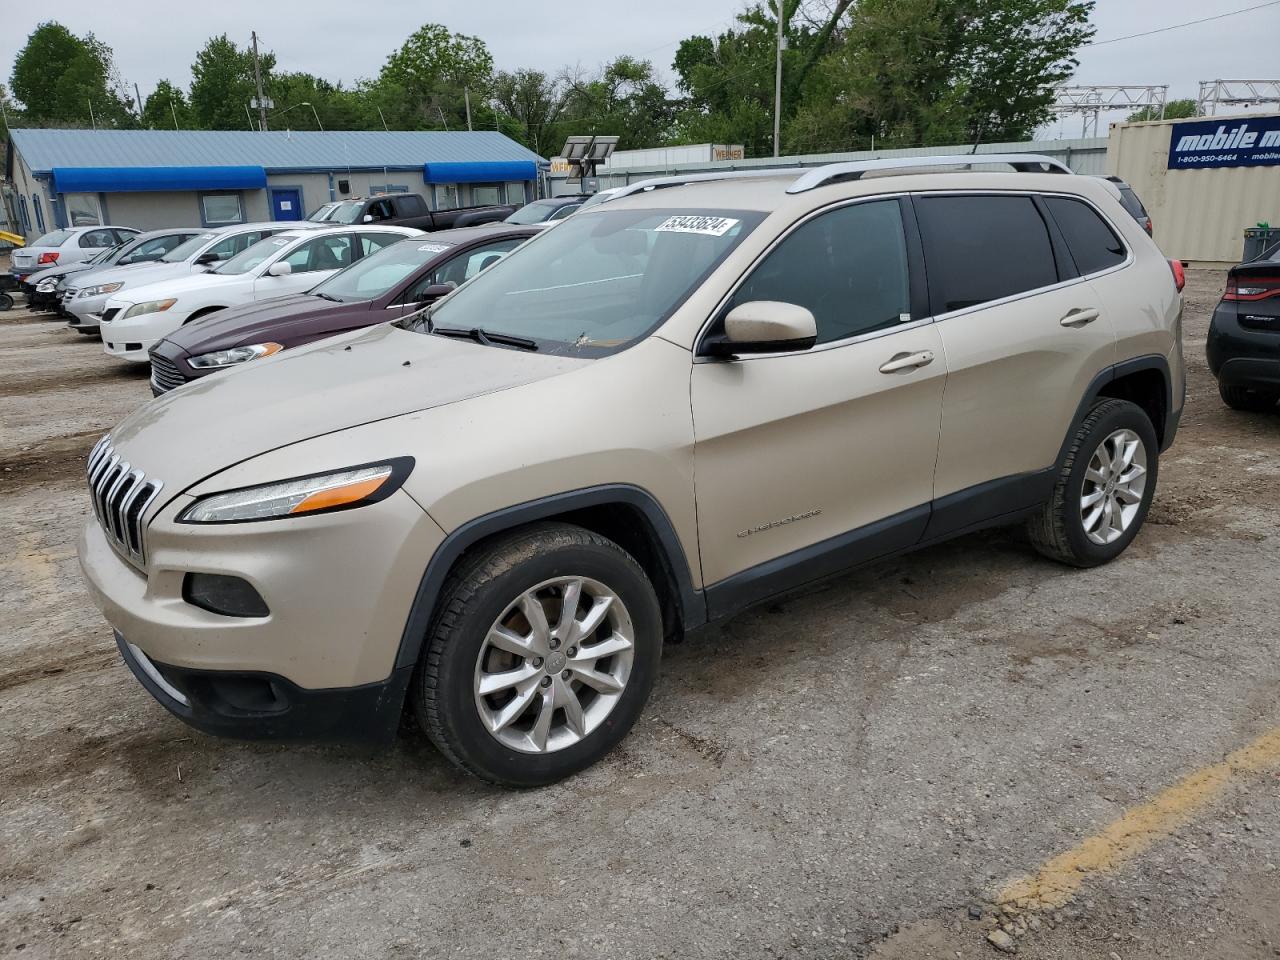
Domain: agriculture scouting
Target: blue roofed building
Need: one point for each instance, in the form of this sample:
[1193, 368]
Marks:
[161, 178]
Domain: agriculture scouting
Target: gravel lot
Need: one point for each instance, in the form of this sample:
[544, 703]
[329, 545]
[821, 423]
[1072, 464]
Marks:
[857, 771]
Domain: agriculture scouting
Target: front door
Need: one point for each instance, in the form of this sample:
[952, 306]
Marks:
[811, 460]
[286, 203]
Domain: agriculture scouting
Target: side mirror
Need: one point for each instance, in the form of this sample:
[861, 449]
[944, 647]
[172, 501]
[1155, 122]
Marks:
[281, 268]
[435, 292]
[763, 326]
[368, 218]
[206, 258]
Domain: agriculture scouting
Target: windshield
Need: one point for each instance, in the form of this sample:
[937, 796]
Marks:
[109, 255]
[374, 275]
[324, 213]
[535, 212]
[254, 254]
[347, 211]
[55, 239]
[184, 251]
[597, 283]
[596, 199]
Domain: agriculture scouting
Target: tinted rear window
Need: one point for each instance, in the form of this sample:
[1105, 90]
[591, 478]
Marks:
[1093, 245]
[981, 248]
[1130, 201]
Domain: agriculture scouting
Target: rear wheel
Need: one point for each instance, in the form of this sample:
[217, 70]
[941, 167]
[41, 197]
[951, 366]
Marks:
[541, 657]
[1246, 398]
[1104, 487]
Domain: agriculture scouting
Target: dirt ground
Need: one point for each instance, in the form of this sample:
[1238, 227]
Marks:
[858, 771]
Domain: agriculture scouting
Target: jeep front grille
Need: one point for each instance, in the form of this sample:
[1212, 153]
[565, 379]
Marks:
[120, 497]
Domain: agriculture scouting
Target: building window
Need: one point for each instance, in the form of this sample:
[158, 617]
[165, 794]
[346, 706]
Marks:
[220, 208]
[486, 193]
[446, 196]
[389, 188]
[515, 193]
[82, 209]
[35, 203]
[24, 213]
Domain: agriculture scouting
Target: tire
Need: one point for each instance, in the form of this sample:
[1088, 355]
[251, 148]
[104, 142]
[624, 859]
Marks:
[486, 591]
[6, 301]
[1059, 531]
[1251, 401]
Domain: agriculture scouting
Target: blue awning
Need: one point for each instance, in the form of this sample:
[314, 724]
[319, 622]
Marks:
[152, 179]
[488, 171]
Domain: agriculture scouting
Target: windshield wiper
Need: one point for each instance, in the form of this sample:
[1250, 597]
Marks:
[486, 337]
[325, 296]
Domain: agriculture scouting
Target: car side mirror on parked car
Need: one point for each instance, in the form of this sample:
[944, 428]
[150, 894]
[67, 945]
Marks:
[206, 258]
[281, 268]
[368, 218]
[763, 326]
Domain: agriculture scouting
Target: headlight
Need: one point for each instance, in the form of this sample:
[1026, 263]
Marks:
[320, 493]
[103, 289]
[151, 306]
[227, 358]
[46, 286]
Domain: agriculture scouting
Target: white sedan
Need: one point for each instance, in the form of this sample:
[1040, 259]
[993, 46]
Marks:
[291, 261]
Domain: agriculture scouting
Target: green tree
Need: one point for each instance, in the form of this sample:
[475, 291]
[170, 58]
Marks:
[530, 105]
[426, 81]
[624, 99]
[222, 85]
[58, 76]
[1173, 110]
[166, 108]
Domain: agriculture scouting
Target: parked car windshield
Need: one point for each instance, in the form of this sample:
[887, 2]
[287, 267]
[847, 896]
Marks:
[347, 211]
[183, 251]
[324, 213]
[374, 275]
[55, 239]
[536, 212]
[595, 284]
[109, 255]
[253, 255]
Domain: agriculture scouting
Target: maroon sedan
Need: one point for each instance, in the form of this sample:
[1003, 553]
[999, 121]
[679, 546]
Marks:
[385, 285]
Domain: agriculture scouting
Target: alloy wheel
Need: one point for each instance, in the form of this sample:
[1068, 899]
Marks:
[1114, 483]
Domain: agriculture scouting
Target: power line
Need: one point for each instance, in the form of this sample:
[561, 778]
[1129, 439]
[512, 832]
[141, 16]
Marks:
[1178, 26]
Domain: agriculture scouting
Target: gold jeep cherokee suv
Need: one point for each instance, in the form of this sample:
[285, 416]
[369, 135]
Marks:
[705, 392]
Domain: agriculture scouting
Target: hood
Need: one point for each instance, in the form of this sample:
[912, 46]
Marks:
[265, 320]
[197, 430]
[55, 272]
[142, 287]
[137, 274]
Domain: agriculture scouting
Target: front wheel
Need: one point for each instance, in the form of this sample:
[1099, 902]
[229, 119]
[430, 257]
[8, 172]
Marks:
[1104, 487]
[541, 656]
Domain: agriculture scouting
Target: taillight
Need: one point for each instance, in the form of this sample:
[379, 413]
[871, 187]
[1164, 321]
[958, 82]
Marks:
[47, 257]
[1179, 275]
[1252, 288]
[1147, 225]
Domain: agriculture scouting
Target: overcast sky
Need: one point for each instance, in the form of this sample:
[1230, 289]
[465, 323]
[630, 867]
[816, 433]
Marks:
[351, 40]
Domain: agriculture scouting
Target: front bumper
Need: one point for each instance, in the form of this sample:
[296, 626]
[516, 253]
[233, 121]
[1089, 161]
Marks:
[132, 339]
[264, 706]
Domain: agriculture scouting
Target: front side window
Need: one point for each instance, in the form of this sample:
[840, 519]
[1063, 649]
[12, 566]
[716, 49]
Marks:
[188, 248]
[980, 248]
[322, 253]
[98, 239]
[380, 210]
[461, 268]
[222, 208]
[83, 209]
[1093, 245]
[255, 254]
[597, 284]
[848, 266]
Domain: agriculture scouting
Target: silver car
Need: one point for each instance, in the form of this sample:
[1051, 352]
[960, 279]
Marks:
[66, 246]
[207, 247]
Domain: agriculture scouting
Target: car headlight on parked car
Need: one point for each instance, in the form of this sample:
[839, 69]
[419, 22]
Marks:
[150, 306]
[227, 358]
[101, 290]
[321, 493]
[46, 286]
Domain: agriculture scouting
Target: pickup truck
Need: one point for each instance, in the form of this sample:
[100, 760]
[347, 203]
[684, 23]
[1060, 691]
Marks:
[407, 210]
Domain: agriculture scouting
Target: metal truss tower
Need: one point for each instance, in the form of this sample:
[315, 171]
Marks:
[1235, 93]
[1090, 101]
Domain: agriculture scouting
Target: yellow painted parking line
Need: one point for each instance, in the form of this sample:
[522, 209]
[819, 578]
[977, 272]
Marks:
[1055, 883]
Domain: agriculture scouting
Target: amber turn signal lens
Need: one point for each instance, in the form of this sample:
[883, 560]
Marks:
[340, 496]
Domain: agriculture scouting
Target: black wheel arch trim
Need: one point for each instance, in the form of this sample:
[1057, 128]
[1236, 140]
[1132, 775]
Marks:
[693, 609]
[1124, 368]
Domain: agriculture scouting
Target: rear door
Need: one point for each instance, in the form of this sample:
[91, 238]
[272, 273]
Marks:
[807, 461]
[1024, 335]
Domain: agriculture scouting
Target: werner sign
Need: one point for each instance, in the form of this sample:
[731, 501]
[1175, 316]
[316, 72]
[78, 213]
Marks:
[1252, 142]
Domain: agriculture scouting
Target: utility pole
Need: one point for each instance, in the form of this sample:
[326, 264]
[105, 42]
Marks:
[175, 113]
[92, 122]
[257, 80]
[138, 96]
[777, 81]
[466, 98]
[383, 119]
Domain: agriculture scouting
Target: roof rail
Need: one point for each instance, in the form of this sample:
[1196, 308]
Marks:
[807, 178]
[854, 169]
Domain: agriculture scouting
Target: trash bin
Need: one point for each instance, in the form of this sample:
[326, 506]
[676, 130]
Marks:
[1257, 240]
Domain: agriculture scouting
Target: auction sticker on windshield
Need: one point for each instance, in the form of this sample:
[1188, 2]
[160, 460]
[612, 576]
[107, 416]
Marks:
[434, 247]
[708, 226]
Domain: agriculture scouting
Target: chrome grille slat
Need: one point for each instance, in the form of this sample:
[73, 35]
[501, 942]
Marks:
[121, 496]
[165, 375]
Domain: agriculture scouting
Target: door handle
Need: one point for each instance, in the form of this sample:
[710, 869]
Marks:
[907, 361]
[1079, 317]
